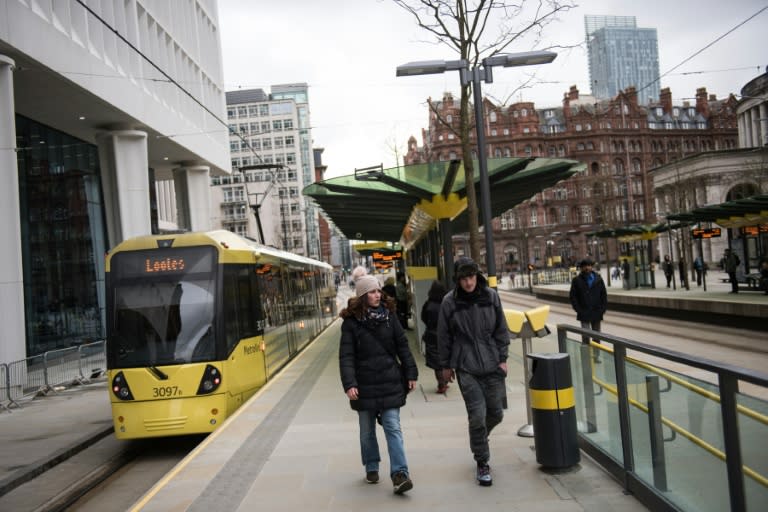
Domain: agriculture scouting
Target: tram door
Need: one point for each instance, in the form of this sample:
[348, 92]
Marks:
[289, 302]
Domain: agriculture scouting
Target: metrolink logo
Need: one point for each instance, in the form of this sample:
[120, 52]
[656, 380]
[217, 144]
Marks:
[251, 349]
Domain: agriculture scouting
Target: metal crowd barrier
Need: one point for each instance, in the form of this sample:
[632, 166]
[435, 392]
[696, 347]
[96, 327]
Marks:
[678, 442]
[44, 372]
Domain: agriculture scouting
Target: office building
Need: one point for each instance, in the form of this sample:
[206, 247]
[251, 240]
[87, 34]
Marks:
[111, 121]
[270, 140]
[621, 55]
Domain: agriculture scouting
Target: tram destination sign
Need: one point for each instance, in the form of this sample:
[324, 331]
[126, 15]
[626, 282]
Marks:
[706, 232]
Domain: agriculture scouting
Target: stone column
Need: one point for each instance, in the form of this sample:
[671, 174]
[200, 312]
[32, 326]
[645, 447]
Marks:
[193, 197]
[125, 181]
[763, 124]
[13, 343]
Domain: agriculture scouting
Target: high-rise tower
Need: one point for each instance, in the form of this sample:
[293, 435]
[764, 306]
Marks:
[620, 56]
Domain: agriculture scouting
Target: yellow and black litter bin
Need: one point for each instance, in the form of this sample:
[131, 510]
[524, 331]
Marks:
[553, 411]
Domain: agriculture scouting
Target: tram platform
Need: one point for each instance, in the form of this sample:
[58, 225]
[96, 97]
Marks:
[295, 445]
[712, 304]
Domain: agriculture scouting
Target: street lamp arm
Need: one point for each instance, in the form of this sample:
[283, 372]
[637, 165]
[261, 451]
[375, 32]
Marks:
[430, 67]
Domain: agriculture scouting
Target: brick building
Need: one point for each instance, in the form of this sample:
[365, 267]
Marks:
[619, 140]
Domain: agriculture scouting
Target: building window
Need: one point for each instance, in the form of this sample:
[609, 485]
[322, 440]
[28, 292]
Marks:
[242, 111]
[253, 110]
[277, 125]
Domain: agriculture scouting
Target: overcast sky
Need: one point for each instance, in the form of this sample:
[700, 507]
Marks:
[347, 52]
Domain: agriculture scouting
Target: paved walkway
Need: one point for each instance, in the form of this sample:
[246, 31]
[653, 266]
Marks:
[305, 437]
[295, 445]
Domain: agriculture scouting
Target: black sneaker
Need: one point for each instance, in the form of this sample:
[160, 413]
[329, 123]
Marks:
[484, 475]
[372, 477]
[401, 483]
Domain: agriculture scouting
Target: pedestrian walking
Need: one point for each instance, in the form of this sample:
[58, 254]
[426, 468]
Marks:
[473, 343]
[589, 299]
[430, 314]
[377, 372]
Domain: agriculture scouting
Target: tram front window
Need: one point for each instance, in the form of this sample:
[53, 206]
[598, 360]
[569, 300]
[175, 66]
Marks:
[162, 323]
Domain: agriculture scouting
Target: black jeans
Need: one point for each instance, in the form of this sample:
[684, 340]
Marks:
[734, 282]
[484, 397]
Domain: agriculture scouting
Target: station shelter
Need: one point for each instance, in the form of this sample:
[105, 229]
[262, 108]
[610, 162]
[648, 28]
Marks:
[746, 228]
[636, 247]
[420, 206]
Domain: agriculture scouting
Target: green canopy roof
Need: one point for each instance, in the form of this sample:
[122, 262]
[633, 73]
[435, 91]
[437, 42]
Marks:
[635, 231]
[749, 211]
[378, 204]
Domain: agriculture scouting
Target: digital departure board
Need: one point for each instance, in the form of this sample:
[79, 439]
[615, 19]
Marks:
[706, 232]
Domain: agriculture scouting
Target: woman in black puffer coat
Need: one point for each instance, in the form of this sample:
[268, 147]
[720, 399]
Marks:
[374, 362]
[430, 312]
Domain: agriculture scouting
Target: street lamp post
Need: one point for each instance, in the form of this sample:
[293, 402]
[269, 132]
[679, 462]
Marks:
[475, 75]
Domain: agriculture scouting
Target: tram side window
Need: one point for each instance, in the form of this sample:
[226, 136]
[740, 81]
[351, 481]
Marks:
[242, 310]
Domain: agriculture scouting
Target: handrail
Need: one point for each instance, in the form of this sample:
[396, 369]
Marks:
[762, 418]
[683, 432]
[728, 379]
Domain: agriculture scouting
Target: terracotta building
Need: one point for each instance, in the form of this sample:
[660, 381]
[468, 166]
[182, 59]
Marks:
[619, 140]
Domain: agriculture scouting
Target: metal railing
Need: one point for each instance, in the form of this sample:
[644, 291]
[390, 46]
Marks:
[678, 442]
[44, 372]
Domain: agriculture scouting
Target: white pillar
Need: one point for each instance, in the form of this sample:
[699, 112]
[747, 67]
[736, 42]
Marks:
[125, 181]
[193, 197]
[13, 341]
[755, 128]
[763, 124]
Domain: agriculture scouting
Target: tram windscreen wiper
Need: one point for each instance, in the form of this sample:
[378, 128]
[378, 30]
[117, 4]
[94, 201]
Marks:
[158, 373]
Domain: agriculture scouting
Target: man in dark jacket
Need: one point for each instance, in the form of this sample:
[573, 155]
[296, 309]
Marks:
[589, 298]
[473, 344]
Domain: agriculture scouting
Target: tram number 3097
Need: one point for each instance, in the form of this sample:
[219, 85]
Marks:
[166, 391]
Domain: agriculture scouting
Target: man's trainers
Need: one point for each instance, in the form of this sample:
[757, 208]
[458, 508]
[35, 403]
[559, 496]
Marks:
[401, 483]
[372, 477]
[484, 475]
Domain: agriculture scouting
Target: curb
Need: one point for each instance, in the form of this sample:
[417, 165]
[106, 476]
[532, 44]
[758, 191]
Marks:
[39, 467]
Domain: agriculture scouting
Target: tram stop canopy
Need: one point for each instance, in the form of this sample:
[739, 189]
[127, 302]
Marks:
[635, 231]
[750, 211]
[402, 204]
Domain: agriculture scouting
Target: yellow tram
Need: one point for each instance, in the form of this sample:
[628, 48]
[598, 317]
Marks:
[197, 322]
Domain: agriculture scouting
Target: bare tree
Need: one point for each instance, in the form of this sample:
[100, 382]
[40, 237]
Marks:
[464, 27]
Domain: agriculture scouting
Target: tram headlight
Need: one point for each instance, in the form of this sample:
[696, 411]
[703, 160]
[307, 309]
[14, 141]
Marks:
[210, 381]
[120, 387]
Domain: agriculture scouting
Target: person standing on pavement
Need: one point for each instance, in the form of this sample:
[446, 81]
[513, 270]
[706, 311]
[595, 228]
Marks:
[698, 267]
[589, 299]
[625, 269]
[730, 265]
[669, 271]
[374, 362]
[473, 343]
[430, 314]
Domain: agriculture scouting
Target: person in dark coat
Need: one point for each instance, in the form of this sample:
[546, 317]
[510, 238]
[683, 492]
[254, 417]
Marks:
[389, 288]
[377, 372]
[589, 298]
[430, 313]
[669, 271]
[473, 342]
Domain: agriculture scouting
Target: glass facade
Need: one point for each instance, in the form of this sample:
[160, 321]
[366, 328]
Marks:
[62, 237]
[621, 55]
